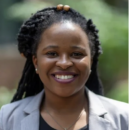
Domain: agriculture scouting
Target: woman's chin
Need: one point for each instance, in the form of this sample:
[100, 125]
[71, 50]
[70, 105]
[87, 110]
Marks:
[66, 93]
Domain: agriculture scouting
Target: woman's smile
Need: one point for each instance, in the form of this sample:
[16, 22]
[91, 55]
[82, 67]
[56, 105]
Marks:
[64, 77]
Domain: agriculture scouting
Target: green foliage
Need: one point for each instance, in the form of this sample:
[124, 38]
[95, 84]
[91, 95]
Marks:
[23, 10]
[119, 92]
[5, 95]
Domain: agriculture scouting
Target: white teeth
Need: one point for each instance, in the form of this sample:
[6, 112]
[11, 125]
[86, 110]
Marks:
[64, 76]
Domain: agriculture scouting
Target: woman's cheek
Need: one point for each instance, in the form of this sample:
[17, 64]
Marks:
[46, 65]
[85, 63]
[84, 66]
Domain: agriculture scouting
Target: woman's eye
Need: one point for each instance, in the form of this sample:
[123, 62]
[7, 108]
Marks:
[77, 54]
[53, 54]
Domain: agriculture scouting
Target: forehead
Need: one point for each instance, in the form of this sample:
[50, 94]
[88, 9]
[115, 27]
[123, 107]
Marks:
[65, 32]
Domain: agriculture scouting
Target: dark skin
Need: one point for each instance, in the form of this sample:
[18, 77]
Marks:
[64, 47]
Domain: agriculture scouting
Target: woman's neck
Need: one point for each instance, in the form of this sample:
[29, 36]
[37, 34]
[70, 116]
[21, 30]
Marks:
[64, 105]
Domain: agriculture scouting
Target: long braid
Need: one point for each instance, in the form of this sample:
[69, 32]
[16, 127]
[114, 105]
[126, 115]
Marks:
[94, 82]
[28, 39]
[30, 83]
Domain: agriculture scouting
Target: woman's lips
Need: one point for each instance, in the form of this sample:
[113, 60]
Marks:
[64, 77]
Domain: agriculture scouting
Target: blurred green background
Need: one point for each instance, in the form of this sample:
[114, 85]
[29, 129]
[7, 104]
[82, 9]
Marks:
[110, 17]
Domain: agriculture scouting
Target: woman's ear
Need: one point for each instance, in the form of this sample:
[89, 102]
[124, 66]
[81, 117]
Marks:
[34, 59]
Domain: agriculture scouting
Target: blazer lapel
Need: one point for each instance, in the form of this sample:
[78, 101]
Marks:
[97, 113]
[99, 123]
[31, 120]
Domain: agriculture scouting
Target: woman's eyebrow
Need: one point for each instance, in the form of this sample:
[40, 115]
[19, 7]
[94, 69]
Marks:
[78, 47]
[50, 47]
[54, 46]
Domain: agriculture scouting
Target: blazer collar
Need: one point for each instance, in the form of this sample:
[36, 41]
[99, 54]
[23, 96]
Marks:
[31, 120]
[96, 113]
[35, 103]
[95, 105]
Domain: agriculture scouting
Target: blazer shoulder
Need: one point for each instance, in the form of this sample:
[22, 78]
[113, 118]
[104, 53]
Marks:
[16, 105]
[117, 110]
[11, 110]
[114, 105]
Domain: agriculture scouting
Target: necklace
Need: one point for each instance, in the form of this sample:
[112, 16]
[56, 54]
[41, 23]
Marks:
[59, 123]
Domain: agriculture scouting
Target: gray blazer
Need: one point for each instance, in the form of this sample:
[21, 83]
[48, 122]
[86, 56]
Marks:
[105, 114]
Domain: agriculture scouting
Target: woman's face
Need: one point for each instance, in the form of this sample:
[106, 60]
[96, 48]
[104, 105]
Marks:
[63, 59]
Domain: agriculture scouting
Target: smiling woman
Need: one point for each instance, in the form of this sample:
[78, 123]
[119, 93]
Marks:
[63, 59]
[60, 88]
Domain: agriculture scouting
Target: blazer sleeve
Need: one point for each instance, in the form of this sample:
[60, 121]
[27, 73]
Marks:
[1, 116]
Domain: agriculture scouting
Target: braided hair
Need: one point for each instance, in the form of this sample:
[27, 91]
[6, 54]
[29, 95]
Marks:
[28, 39]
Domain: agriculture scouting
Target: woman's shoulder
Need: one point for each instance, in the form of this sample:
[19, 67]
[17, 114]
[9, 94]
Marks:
[113, 103]
[114, 107]
[113, 112]
[11, 114]
[21, 104]
[110, 105]
[12, 111]
[16, 105]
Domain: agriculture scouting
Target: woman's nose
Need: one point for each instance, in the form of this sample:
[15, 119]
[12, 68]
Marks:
[64, 62]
